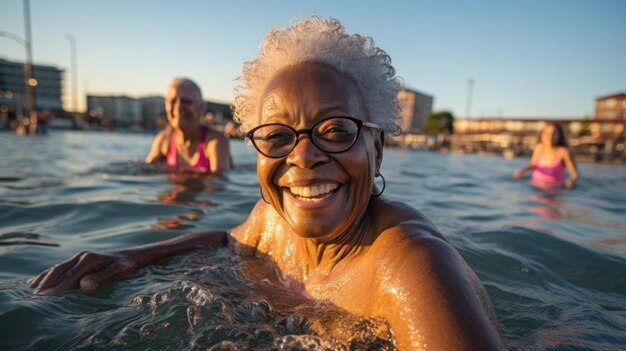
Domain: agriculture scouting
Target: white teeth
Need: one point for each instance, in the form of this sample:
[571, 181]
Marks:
[306, 192]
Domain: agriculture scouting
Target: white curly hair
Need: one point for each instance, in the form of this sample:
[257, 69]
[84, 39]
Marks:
[322, 41]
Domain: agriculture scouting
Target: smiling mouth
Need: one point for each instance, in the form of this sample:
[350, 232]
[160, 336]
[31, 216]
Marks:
[313, 193]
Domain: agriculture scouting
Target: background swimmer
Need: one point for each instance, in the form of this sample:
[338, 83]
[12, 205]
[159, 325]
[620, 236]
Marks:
[549, 160]
[185, 144]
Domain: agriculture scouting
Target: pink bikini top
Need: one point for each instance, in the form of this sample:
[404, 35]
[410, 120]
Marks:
[202, 164]
[550, 173]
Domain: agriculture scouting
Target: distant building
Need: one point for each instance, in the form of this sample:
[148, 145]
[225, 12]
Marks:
[220, 113]
[116, 110]
[153, 110]
[603, 129]
[611, 107]
[47, 91]
[415, 110]
[517, 126]
[147, 111]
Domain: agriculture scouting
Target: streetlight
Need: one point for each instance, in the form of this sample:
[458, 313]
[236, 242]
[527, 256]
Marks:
[14, 37]
[72, 40]
[30, 92]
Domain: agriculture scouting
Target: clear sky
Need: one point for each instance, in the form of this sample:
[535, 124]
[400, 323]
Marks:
[531, 58]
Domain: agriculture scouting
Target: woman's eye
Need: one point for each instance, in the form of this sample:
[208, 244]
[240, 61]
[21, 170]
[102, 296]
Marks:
[279, 137]
[336, 129]
[333, 128]
[337, 133]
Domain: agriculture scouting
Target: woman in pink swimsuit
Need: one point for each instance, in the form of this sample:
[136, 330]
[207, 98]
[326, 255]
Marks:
[549, 160]
[184, 144]
[202, 162]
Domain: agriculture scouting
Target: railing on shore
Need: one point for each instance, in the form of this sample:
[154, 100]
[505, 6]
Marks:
[585, 148]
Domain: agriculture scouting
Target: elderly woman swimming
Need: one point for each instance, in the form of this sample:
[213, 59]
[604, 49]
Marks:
[185, 144]
[315, 104]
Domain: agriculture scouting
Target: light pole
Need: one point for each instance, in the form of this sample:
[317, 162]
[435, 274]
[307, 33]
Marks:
[468, 106]
[14, 37]
[72, 40]
[28, 69]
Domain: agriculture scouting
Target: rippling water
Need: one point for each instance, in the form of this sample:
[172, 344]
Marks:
[553, 263]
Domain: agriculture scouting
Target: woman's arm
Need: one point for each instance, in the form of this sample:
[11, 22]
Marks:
[533, 161]
[156, 152]
[218, 152]
[571, 168]
[89, 270]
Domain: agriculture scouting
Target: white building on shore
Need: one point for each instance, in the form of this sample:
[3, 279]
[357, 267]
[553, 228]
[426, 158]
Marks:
[47, 84]
[415, 107]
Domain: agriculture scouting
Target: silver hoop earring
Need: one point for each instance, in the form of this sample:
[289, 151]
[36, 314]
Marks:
[384, 185]
[263, 196]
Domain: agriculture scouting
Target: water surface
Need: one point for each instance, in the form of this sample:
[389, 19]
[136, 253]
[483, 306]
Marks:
[553, 263]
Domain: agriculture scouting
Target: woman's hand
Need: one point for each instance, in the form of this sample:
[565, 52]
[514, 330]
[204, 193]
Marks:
[519, 174]
[569, 183]
[87, 270]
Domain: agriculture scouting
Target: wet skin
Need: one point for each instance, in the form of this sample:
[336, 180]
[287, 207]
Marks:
[184, 107]
[329, 238]
[369, 255]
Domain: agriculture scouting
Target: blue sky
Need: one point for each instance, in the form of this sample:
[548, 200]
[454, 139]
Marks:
[527, 58]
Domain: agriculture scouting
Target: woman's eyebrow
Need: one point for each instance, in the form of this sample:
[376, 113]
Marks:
[331, 111]
[276, 117]
[271, 114]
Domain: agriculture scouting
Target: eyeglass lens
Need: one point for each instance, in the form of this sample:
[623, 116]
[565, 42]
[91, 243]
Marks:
[330, 135]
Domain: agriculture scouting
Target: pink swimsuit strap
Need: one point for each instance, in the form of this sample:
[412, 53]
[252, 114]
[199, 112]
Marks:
[202, 164]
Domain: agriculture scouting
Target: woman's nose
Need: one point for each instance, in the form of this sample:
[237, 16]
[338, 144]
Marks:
[178, 107]
[305, 154]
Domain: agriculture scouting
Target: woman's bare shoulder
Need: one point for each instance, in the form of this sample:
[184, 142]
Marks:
[408, 240]
[165, 133]
[214, 136]
[399, 219]
[563, 151]
[160, 146]
[163, 138]
[420, 271]
[255, 232]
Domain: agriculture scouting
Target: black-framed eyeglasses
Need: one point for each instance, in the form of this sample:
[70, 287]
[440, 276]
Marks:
[332, 135]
